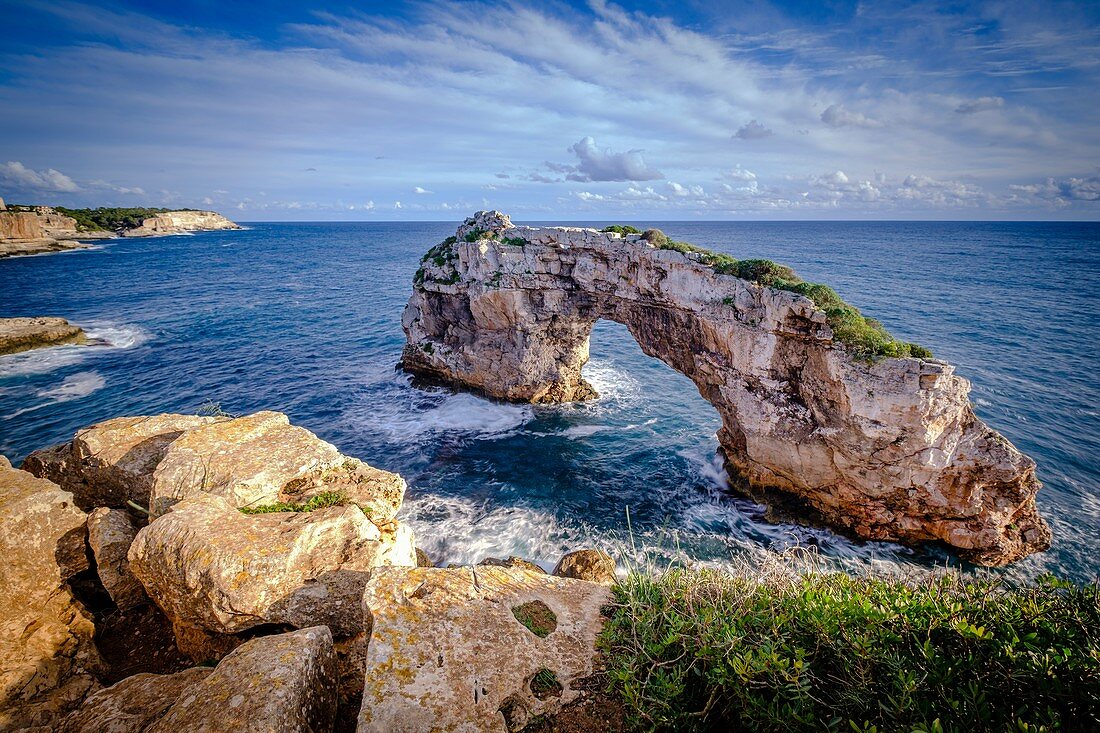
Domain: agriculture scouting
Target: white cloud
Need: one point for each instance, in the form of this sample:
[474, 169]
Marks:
[740, 174]
[604, 165]
[981, 104]
[836, 115]
[752, 130]
[421, 190]
[15, 174]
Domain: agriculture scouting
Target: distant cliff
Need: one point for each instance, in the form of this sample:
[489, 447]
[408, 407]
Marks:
[176, 222]
[35, 229]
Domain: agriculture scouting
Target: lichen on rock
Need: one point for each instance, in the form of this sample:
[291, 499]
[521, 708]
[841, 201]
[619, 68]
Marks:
[886, 449]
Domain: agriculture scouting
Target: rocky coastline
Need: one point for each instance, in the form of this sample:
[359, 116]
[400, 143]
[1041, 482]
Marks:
[273, 559]
[42, 229]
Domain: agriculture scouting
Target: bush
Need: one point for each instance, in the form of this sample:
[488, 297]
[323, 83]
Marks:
[111, 218]
[621, 229]
[764, 272]
[779, 651]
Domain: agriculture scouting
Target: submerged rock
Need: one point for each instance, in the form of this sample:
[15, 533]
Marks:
[887, 450]
[476, 648]
[212, 568]
[23, 334]
[47, 658]
[592, 565]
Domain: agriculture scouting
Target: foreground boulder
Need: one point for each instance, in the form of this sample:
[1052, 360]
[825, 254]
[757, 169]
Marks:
[22, 334]
[212, 568]
[887, 450]
[253, 460]
[591, 565]
[476, 648]
[47, 658]
[114, 461]
[271, 684]
[110, 534]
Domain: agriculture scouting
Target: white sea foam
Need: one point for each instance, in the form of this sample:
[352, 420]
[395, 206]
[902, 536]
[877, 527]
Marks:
[73, 387]
[455, 414]
[612, 383]
[578, 432]
[102, 335]
[458, 530]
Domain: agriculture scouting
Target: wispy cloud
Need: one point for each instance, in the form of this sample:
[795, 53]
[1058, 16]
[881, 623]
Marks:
[465, 95]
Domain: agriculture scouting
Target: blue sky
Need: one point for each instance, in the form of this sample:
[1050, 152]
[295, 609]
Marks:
[655, 110]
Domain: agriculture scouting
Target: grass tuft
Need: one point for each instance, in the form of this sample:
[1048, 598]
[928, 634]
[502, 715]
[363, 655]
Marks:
[772, 649]
[322, 500]
[537, 617]
[545, 684]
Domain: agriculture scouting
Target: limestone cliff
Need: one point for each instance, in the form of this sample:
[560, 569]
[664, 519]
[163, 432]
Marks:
[177, 222]
[41, 230]
[888, 450]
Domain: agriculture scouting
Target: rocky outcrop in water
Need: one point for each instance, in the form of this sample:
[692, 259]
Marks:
[23, 334]
[180, 222]
[887, 450]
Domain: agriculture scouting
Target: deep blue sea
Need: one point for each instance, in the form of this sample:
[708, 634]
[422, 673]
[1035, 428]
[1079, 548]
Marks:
[306, 319]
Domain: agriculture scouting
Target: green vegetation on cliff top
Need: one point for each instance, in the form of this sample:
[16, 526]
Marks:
[783, 651]
[104, 218]
[866, 337]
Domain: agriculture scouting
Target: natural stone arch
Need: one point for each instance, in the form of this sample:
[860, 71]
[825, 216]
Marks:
[888, 450]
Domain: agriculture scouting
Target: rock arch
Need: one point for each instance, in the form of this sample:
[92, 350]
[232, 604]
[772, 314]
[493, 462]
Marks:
[889, 450]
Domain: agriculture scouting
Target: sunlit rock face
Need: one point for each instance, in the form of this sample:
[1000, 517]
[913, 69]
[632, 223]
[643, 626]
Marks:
[177, 222]
[886, 450]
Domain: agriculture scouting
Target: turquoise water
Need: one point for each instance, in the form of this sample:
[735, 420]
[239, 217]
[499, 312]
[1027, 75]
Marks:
[305, 318]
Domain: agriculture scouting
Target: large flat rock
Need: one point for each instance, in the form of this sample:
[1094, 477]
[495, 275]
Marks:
[47, 658]
[22, 334]
[448, 653]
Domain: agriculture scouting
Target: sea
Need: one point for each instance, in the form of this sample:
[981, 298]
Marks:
[305, 318]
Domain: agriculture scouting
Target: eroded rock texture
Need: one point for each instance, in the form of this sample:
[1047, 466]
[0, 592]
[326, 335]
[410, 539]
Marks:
[47, 658]
[889, 450]
[476, 648]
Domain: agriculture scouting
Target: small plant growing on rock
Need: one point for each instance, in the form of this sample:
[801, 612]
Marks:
[537, 617]
[210, 408]
[514, 241]
[545, 684]
[322, 500]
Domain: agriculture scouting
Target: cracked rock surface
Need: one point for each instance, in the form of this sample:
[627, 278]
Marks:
[885, 450]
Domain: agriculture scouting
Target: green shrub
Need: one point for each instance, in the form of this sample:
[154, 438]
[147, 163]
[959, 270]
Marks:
[621, 229]
[514, 241]
[319, 501]
[707, 650]
[475, 234]
[111, 218]
[764, 272]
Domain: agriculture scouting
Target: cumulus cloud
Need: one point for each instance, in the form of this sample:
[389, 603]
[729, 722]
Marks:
[1060, 192]
[605, 165]
[740, 174]
[677, 189]
[421, 190]
[15, 174]
[752, 130]
[836, 115]
[981, 104]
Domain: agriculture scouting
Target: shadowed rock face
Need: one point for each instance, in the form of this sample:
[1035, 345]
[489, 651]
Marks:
[889, 450]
